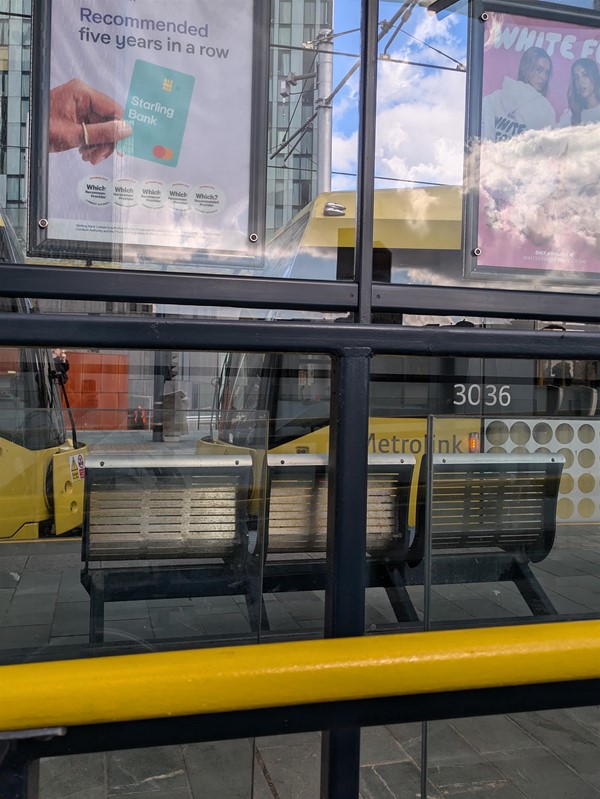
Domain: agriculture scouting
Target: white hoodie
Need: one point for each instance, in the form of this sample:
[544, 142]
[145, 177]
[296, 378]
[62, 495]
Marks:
[514, 108]
[587, 115]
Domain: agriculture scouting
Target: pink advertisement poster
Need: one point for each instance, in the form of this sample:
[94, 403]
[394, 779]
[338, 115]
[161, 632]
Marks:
[538, 156]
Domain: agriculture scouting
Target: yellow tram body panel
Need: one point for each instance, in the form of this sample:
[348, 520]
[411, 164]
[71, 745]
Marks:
[24, 503]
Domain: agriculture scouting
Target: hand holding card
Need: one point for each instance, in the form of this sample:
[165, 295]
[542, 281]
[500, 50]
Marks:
[81, 116]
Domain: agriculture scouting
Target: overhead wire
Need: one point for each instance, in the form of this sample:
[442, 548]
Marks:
[403, 15]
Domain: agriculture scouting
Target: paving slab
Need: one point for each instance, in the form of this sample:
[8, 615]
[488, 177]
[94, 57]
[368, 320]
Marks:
[372, 786]
[293, 768]
[71, 618]
[378, 745]
[173, 622]
[73, 777]
[558, 568]
[137, 609]
[217, 604]
[402, 780]
[488, 734]
[481, 778]
[590, 716]
[221, 769]
[28, 638]
[11, 562]
[444, 745]
[541, 775]
[573, 742]
[441, 609]
[137, 631]
[482, 608]
[228, 624]
[159, 771]
[38, 582]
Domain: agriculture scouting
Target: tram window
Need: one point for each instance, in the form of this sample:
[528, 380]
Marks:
[382, 264]
[30, 412]
[241, 385]
[303, 392]
[12, 409]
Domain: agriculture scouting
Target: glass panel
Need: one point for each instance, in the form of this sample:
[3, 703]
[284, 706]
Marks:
[513, 514]
[296, 389]
[123, 526]
[309, 229]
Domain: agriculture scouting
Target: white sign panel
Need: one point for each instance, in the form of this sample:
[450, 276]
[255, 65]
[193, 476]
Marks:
[149, 129]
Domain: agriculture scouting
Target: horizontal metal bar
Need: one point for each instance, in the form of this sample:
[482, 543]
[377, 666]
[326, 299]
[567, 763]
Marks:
[318, 716]
[181, 334]
[173, 288]
[463, 301]
[156, 685]
[170, 288]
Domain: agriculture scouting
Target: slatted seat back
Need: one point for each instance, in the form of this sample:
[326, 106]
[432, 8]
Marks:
[297, 503]
[146, 507]
[507, 501]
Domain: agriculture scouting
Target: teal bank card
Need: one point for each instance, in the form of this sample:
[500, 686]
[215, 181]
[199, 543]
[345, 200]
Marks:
[157, 109]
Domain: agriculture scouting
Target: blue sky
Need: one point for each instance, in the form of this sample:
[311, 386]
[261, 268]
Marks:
[420, 116]
[421, 111]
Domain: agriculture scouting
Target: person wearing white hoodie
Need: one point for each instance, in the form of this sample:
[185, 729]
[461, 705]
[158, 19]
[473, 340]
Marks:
[520, 104]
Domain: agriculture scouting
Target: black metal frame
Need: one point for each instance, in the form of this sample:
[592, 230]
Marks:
[338, 340]
[197, 290]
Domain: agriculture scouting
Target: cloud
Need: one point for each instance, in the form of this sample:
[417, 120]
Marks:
[344, 152]
[542, 186]
[420, 127]
[420, 111]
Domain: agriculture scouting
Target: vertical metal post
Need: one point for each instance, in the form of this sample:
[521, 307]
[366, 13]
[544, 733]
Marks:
[324, 109]
[427, 581]
[19, 776]
[346, 547]
[365, 195]
[159, 391]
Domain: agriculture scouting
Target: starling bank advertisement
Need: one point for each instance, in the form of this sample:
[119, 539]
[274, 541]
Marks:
[534, 166]
[144, 128]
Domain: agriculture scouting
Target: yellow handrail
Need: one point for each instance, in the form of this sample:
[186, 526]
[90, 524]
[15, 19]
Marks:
[156, 685]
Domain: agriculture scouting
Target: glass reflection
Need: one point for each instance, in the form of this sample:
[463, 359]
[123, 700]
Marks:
[119, 531]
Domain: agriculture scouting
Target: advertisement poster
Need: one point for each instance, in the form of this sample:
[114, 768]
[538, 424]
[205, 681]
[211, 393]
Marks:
[147, 122]
[538, 170]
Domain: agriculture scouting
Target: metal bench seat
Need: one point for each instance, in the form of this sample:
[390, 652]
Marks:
[151, 520]
[491, 515]
[297, 503]
[146, 507]
[159, 527]
[506, 501]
